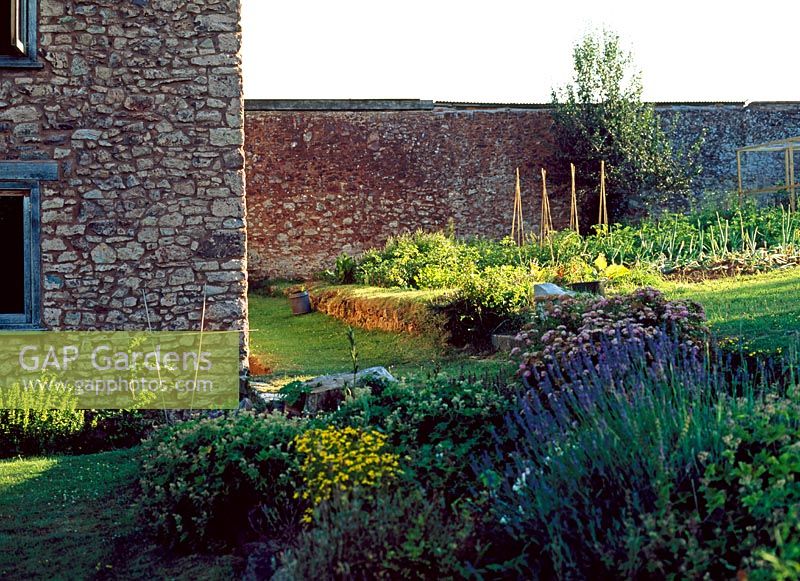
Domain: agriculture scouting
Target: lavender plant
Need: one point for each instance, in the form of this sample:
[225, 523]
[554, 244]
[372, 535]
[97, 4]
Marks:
[593, 447]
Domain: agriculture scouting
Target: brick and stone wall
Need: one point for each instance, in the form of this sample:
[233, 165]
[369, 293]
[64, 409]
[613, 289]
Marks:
[727, 126]
[328, 178]
[325, 182]
[140, 103]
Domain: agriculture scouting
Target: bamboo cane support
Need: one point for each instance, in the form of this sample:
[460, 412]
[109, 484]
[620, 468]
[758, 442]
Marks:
[545, 222]
[602, 218]
[517, 227]
[573, 211]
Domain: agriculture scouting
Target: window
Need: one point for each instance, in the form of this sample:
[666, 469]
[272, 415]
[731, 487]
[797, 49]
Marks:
[18, 33]
[20, 286]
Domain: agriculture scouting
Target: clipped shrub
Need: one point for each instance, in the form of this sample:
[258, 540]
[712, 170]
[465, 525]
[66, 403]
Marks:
[202, 479]
[392, 535]
[387, 313]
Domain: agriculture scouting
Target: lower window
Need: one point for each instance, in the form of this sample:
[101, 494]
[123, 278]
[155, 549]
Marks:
[20, 284]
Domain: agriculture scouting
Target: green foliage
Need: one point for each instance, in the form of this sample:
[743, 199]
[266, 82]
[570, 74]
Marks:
[419, 260]
[344, 271]
[112, 429]
[437, 424]
[742, 239]
[490, 300]
[36, 419]
[741, 512]
[294, 391]
[601, 116]
[202, 479]
[351, 340]
[401, 535]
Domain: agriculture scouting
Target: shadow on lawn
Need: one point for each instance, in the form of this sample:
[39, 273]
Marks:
[74, 517]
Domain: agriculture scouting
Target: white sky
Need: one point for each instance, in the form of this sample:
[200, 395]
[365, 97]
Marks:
[515, 51]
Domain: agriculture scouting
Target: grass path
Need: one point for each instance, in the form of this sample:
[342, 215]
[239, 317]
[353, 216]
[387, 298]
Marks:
[316, 343]
[67, 508]
[73, 517]
[763, 311]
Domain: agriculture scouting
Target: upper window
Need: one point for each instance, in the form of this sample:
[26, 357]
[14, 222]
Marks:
[18, 19]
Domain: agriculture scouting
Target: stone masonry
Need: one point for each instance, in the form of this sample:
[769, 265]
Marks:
[331, 177]
[325, 182]
[140, 103]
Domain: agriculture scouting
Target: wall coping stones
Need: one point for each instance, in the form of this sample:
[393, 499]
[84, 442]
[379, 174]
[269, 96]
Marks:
[422, 105]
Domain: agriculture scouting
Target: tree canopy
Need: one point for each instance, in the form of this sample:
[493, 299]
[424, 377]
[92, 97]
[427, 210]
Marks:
[601, 116]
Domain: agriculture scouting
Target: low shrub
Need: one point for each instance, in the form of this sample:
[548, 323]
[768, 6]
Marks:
[740, 512]
[38, 419]
[338, 460]
[582, 328]
[111, 429]
[436, 426]
[583, 465]
[489, 301]
[394, 535]
[419, 260]
[201, 480]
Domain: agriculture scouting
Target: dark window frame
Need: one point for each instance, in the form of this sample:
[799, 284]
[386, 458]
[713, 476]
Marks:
[26, 177]
[29, 24]
[31, 317]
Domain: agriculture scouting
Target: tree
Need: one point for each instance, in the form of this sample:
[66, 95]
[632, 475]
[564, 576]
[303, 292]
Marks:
[601, 116]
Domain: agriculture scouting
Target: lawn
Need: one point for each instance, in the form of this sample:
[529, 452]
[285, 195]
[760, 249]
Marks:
[761, 311]
[315, 344]
[73, 517]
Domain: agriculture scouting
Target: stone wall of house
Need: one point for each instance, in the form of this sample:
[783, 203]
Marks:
[328, 178]
[140, 103]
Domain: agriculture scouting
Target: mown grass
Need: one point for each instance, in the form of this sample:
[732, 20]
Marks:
[73, 517]
[762, 311]
[316, 344]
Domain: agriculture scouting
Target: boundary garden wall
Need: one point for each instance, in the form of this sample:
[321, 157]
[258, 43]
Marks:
[326, 177]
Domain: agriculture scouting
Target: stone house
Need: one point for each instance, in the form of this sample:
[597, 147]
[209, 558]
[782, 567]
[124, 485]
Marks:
[121, 165]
